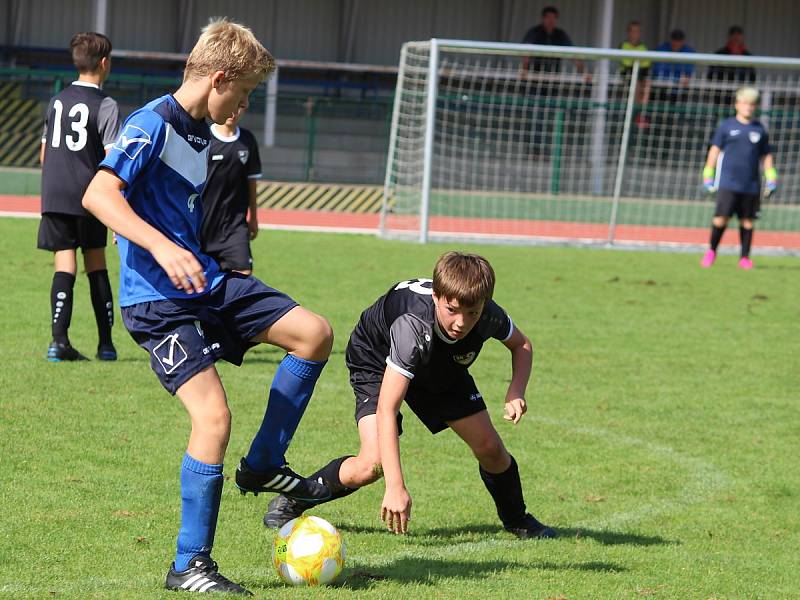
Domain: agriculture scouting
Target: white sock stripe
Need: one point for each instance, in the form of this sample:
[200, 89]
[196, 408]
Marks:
[207, 586]
[292, 485]
[191, 580]
[200, 583]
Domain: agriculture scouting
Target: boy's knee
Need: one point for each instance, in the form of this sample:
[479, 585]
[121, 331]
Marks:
[215, 423]
[719, 221]
[490, 449]
[318, 341]
[370, 473]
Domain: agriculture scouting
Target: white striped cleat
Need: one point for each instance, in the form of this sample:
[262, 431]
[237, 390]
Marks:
[281, 480]
[202, 576]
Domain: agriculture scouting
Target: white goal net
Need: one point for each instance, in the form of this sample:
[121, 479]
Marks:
[529, 144]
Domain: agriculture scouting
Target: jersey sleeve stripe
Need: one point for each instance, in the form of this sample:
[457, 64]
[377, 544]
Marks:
[255, 176]
[399, 369]
[510, 330]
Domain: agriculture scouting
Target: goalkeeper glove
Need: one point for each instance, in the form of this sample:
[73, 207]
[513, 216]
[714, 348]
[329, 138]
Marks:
[708, 179]
[771, 181]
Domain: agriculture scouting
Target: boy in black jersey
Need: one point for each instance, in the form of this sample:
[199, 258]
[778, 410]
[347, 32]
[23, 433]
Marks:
[82, 123]
[416, 343]
[230, 217]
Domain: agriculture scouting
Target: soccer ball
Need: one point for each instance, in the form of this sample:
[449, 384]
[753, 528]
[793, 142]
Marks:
[308, 551]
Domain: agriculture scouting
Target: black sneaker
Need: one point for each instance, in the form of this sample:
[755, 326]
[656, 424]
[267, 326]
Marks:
[106, 352]
[57, 352]
[282, 481]
[530, 528]
[202, 576]
[283, 509]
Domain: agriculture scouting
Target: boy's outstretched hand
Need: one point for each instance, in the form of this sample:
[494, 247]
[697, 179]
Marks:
[515, 408]
[183, 269]
[396, 510]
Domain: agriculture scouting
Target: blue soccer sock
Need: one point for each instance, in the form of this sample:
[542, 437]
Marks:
[201, 491]
[291, 390]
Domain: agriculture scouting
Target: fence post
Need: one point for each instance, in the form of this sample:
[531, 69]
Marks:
[558, 138]
[312, 133]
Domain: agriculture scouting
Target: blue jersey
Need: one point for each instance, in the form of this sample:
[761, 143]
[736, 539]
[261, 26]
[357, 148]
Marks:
[743, 146]
[161, 155]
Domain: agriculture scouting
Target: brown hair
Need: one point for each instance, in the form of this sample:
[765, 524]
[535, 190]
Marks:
[88, 49]
[468, 278]
[231, 48]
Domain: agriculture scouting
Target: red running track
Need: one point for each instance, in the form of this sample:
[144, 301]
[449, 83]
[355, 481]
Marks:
[556, 230]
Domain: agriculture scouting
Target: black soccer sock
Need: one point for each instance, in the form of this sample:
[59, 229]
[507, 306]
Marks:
[329, 476]
[61, 305]
[716, 236]
[506, 491]
[103, 304]
[746, 239]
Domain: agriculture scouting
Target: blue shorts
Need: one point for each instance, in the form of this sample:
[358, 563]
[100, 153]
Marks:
[185, 337]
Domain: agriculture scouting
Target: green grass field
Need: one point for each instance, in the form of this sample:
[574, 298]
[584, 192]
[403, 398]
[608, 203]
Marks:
[659, 440]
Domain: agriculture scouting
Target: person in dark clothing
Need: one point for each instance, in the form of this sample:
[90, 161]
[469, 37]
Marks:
[734, 47]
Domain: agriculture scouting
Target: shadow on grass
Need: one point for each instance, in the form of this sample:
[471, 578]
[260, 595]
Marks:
[438, 536]
[431, 571]
[616, 538]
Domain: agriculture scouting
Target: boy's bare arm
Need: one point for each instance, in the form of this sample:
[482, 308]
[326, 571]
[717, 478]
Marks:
[521, 363]
[252, 217]
[713, 155]
[396, 506]
[104, 199]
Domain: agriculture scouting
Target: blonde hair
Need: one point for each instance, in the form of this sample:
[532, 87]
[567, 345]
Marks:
[231, 48]
[468, 278]
[747, 94]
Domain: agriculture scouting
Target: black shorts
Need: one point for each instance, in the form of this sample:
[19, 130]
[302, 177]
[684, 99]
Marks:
[185, 337]
[745, 206]
[434, 409]
[234, 254]
[58, 231]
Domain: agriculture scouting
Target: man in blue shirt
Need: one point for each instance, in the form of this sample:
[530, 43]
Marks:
[738, 149]
[180, 307]
[676, 72]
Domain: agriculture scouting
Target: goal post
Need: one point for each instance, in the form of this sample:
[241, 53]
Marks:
[534, 144]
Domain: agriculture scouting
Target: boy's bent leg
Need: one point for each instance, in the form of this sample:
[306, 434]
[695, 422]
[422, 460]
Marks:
[308, 339]
[500, 475]
[201, 469]
[342, 476]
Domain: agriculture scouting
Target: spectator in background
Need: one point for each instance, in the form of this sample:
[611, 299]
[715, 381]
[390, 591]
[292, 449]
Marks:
[547, 33]
[633, 41]
[676, 72]
[734, 47]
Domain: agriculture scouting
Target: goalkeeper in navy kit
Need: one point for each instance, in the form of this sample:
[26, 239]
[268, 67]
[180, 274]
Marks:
[739, 148]
[416, 343]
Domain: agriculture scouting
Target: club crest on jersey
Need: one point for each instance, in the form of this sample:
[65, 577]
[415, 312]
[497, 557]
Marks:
[132, 141]
[243, 156]
[170, 354]
[464, 359]
[755, 137]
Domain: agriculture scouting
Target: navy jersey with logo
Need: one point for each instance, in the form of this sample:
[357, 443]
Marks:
[743, 146]
[400, 330]
[80, 123]
[161, 155]
[232, 162]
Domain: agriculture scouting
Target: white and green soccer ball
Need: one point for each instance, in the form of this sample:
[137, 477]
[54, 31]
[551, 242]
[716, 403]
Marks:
[308, 551]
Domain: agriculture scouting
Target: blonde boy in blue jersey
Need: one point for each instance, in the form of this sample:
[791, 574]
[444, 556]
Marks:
[187, 313]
